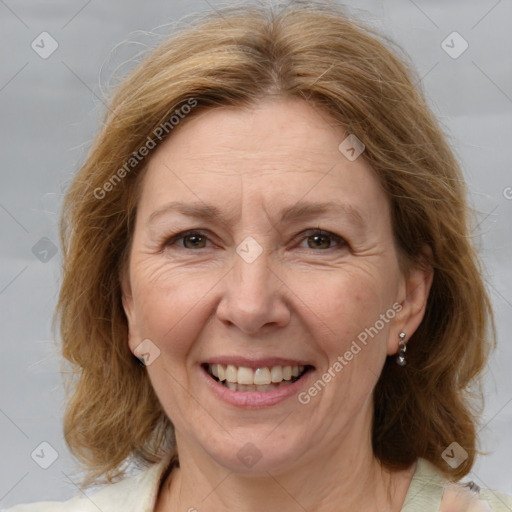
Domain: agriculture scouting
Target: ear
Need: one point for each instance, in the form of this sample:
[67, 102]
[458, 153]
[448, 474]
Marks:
[413, 295]
[129, 311]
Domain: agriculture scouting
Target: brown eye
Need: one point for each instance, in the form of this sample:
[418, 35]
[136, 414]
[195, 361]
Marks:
[194, 241]
[322, 240]
[188, 240]
[319, 242]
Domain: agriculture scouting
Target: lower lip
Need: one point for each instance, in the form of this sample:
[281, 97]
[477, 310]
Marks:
[254, 399]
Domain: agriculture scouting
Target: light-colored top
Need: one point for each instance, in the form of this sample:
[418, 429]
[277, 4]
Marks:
[139, 493]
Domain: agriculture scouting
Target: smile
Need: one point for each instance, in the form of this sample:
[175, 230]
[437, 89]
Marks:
[265, 379]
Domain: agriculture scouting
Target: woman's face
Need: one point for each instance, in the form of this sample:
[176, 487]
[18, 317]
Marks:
[261, 251]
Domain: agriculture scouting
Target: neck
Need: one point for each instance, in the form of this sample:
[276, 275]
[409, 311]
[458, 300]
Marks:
[334, 482]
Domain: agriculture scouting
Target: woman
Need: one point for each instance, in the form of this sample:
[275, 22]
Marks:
[269, 293]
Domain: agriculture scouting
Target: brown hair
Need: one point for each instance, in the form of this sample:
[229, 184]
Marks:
[236, 57]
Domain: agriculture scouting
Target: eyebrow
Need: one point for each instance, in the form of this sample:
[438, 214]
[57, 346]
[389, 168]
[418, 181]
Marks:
[299, 211]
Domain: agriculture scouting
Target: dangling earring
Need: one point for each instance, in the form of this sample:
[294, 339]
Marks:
[401, 350]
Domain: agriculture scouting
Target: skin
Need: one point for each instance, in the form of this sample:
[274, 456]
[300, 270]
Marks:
[303, 298]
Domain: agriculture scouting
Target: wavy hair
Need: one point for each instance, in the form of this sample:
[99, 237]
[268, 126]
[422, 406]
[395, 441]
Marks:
[235, 57]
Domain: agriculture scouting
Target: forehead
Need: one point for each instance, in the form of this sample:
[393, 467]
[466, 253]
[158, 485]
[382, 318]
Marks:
[276, 152]
[266, 133]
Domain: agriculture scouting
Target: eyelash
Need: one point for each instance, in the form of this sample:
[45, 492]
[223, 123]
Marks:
[303, 235]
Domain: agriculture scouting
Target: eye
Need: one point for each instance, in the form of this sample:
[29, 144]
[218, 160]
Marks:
[188, 240]
[317, 239]
[322, 240]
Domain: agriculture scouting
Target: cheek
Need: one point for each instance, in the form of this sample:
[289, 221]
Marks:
[170, 304]
[339, 306]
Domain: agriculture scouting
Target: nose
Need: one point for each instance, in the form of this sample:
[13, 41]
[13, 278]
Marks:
[254, 297]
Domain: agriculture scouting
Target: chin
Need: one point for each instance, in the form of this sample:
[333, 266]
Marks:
[255, 453]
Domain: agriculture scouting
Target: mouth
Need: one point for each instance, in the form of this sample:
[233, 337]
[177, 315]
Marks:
[260, 379]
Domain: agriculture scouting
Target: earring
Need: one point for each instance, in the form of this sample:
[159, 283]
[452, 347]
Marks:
[401, 350]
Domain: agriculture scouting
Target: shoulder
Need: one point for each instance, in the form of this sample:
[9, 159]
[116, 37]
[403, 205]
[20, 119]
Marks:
[430, 491]
[498, 501]
[133, 494]
[458, 497]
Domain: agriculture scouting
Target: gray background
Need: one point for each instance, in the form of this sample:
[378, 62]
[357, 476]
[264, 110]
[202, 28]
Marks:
[50, 110]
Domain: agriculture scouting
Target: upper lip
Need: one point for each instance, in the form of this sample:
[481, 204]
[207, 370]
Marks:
[256, 363]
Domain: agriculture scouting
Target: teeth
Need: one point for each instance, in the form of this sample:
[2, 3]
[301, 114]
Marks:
[245, 376]
[231, 373]
[254, 380]
[276, 373]
[242, 387]
[261, 376]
